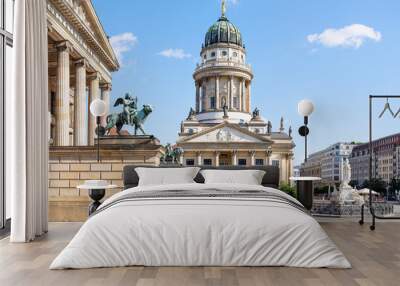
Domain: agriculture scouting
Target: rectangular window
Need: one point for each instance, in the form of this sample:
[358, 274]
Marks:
[207, 162]
[242, 162]
[212, 102]
[275, 163]
[189, 162]
[235, 102]
[259, 162]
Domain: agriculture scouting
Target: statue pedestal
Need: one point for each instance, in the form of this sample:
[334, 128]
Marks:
[71, 166]
[128, 140]
[348, 195]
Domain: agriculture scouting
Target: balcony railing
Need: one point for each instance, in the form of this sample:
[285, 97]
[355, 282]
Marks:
[223, 64]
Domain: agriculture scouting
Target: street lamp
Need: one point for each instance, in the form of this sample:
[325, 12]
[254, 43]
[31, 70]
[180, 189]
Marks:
[305, 108]
[98, 108]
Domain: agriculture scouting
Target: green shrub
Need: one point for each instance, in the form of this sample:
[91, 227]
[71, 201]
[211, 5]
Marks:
[288, 189]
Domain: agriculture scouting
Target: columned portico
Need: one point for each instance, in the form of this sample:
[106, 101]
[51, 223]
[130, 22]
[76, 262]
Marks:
[62, 112]
[80, 134]
[77, 48]
[94, 93]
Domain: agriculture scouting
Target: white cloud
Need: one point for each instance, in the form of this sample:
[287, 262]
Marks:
[175, 53]
[233, 2]
[348, 36]
[123, 43]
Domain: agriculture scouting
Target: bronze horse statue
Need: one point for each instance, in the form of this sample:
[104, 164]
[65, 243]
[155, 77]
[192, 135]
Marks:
[171, 154]
[135, 119]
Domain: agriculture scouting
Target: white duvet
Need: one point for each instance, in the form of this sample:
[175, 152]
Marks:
[206, 231]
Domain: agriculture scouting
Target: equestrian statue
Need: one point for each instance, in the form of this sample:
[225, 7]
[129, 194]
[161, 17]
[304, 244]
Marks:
[172, 154]
[130, 115]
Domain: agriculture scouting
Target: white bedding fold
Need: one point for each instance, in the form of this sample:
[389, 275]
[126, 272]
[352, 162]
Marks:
[200, 231]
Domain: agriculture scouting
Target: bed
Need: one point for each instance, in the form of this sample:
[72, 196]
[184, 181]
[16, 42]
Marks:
[201, 224]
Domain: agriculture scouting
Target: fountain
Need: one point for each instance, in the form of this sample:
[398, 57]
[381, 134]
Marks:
[347, 194]
[347, 201]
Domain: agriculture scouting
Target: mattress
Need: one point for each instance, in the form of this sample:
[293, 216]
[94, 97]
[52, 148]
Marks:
[201, 225]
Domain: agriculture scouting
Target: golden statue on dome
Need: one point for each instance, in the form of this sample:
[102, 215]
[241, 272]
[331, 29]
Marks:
[223, 8]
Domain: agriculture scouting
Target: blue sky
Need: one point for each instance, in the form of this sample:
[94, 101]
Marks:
[293, 53]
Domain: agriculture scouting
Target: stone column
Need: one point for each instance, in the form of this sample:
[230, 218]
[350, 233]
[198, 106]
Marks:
[240, 96]
[249, 97]
[268, 154]
[290, 167]
[105, 96]
[217, 159]
[199, 162]
[252, 158]
[231, 93]
[94, 92]
[217, 93]
[283, 166]
[234, 158]
[181, 158]
[203, 97]
[62, 115]
[243, 95]
[197, 97]
[80, 112]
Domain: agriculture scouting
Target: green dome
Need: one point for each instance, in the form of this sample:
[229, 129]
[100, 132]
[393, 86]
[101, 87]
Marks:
[223, 31]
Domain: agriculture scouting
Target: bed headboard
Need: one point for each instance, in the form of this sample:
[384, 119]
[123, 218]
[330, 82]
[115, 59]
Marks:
[271, 177]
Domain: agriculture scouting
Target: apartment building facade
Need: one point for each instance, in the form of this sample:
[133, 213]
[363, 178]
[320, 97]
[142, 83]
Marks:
[385, 159]
[328, 163]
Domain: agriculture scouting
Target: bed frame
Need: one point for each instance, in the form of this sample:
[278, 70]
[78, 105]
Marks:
[270, 179]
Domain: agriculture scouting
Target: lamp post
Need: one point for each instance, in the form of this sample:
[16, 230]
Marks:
[98, 108]
[305, 108]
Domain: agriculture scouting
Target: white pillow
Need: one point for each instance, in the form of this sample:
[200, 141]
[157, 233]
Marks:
[248, 177]
[166, 176]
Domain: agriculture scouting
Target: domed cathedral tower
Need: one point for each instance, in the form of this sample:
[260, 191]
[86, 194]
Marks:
[223, 79]
[222, 129]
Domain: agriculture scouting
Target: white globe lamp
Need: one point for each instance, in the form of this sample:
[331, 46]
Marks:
[305, 107]
[98, 108]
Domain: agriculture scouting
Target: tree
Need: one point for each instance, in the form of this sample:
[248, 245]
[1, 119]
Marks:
[288, 189]
[354, 183]
[394, 186]
[321, 190]
[376, 184]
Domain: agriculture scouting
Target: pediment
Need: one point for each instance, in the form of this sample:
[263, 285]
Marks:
[82, 15]
[225, 133]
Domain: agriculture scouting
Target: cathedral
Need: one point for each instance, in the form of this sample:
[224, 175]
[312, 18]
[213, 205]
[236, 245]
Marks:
[223, 129]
